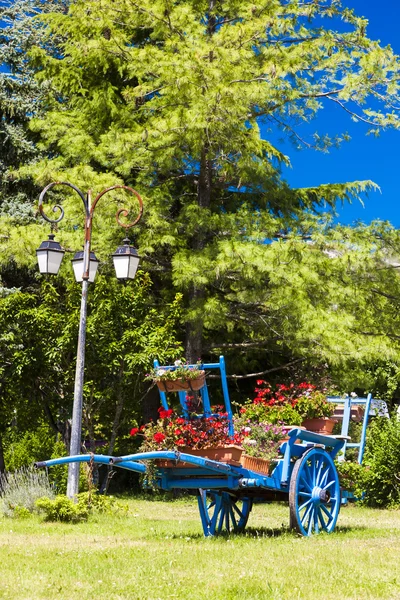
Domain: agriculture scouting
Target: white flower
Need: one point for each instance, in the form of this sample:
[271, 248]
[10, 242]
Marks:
[353, 395]
[161, 372]
[178, 363]
[246, 429]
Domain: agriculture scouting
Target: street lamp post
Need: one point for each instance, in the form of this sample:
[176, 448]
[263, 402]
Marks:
[85, 264]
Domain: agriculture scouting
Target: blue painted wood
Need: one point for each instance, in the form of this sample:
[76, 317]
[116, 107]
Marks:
[163, 395]
[206, 401]
[220, 511]
[314, 493]
[364, 429]
[203, 392]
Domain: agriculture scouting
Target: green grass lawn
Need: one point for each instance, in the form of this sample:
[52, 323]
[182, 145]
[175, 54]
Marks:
[157, 551]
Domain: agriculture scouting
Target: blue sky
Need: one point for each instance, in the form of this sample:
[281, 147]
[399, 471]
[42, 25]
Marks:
[364, 157]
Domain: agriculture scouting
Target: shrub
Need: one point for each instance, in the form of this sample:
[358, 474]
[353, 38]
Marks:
[382, 457]
[21, 489]
[63, 509]
[353, 477]
[22, 450]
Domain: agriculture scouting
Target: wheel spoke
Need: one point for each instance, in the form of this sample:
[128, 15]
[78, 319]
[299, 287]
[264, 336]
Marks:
[321, 519]
[233, 519]
[310, 522]
[305, 482]
[329, 484]
[327, 512]
[316, 524]
[238, 511]
[318, 478]
[305, 504]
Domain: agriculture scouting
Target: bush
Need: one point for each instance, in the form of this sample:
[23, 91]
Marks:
[22, 450]
[353, 477]
[21, 489]
[382, 456]
[63, 509]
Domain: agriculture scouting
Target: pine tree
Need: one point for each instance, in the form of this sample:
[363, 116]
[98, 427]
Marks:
[21, 98]
[175, 99]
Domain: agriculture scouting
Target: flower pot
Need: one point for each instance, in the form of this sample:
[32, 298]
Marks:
[181, 385]
[260, 465]
[322, 425]
[227, 454]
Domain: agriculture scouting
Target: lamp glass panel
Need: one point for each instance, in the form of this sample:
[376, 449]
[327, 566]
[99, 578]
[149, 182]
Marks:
[133, 265]
[54, 261]
[93, 264]
[121, 265]
[78, 270]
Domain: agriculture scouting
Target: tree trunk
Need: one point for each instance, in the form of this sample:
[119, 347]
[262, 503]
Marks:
[2, 462]
[194, 327]
[197, 293]
[114, 431]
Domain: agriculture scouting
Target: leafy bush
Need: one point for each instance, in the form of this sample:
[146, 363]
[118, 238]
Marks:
[383, 459]
[21, 489]
[23, 450]
[63, 509]
[353, 477]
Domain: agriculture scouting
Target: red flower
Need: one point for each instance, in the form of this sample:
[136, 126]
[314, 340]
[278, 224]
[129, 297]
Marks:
[177, 432]
[134, 431]
[164, 414]
[159, 437]
[180, 442]
[180, 421]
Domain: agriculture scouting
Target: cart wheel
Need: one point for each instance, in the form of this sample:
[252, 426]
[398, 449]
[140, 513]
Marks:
[219, 511]
[314, 493]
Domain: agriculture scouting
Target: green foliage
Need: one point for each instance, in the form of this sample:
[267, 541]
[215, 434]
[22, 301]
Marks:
[314, 406]
[22, 450]
[262, 440]
[171, 99]
[20, 490]
[62, 509]
[353, 477]
[260, 413]
[382, 457]
[21, 97]
[66, 510]
[182, 371]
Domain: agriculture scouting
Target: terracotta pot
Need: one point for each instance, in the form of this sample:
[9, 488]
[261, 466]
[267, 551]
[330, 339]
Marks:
[226, 454]
[181, 385]
[260, 465]
[322, 425]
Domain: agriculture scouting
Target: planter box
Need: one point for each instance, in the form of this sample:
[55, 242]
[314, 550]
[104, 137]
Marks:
[323, 425]
[227, 454]
[181, 385]
[260, 465]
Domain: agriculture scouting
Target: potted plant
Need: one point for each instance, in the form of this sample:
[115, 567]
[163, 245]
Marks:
[180, 377]
[260, 443]
[201, 436]
[315, 412]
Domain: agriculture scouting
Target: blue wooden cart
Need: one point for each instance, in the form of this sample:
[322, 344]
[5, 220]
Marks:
[305, 475]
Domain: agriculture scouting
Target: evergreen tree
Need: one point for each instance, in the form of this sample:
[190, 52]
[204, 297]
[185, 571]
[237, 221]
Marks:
[21, 97]
[175, 98]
